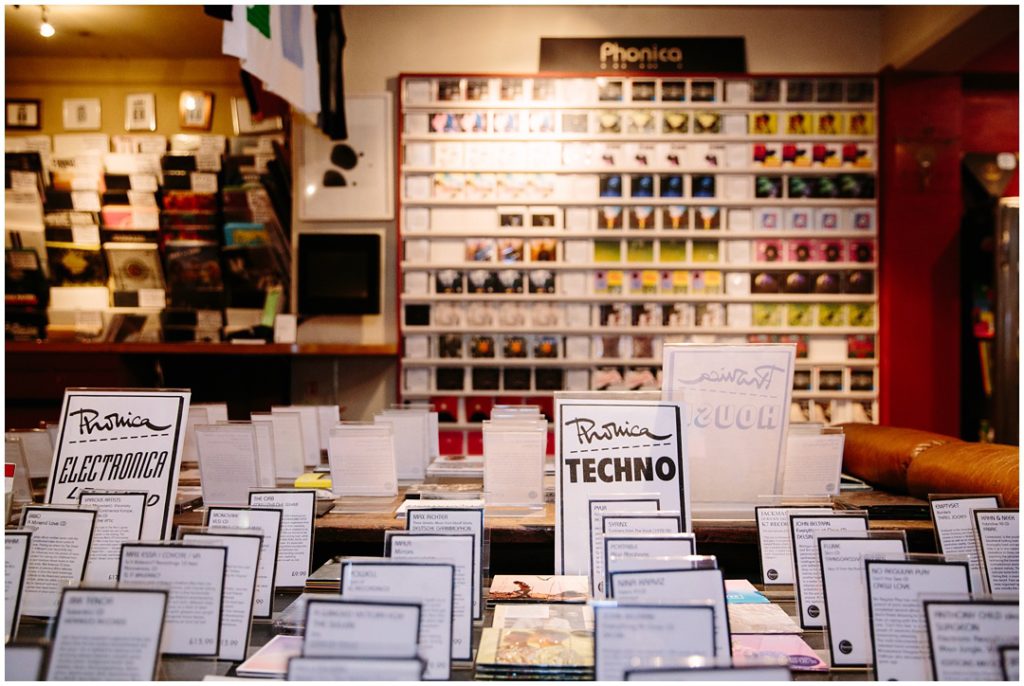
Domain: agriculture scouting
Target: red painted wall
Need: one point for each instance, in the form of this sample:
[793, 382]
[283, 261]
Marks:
[928, 118]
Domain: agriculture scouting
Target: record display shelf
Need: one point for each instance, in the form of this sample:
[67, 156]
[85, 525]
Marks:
[558, 230]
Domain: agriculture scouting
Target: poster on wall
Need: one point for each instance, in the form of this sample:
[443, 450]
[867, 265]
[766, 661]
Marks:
[351, 178]
[121, 440]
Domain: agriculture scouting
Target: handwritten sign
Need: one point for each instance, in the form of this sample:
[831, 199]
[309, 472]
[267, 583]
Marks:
[613, 448]
[737, 415]
[122, 440]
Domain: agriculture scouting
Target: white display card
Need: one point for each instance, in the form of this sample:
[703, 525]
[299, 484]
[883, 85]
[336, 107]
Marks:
[514, 463]
[624, 548]
[964, 637]
[605, 448]
[106, 634]
[195, 577]
[16, 546]
[263, 433]
[812, 465]
[597, 508]
[739, 673]
[141, 437]
[999, 541]
[216, 413]
[239, 586]
[298, 524]
[118, 520]
[197, 415]
[327, 417]
[267, 523]
[38, 450]
[362, 460]
[737, 403]
[846, 595]
[896, 589]
[775, 542]
[354, 669]
[24, 661]
[411, 443]
[289, 461]
[954, 528]
[310, 434]
[457, 549]
[454, 520]
[805, 531]
[661, 522]
[338, 627]
[227, 463]
[60, 548]
[431, 584]
[677, 587]
[627, 633]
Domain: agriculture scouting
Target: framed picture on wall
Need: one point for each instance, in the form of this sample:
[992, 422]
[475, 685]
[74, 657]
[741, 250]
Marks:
[351, 178]
[243, 123]
[195, 110]
[81, 114]
[23, 114]
[140, 112]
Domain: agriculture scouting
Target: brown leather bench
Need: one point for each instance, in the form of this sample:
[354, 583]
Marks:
[920, 462]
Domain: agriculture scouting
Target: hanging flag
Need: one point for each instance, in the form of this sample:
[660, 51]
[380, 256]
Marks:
[277, 44]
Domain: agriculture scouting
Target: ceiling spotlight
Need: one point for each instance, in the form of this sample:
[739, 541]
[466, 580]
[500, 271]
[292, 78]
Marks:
[46, 29]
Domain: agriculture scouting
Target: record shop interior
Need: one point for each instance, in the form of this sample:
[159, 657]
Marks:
[511, 342]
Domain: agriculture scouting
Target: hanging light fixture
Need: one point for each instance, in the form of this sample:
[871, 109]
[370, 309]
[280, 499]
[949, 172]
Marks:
[46, 29]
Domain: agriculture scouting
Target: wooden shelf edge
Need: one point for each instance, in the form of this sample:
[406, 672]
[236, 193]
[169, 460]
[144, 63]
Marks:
[270, 349]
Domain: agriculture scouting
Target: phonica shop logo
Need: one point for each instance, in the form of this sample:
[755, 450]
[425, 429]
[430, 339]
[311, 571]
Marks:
[90, 421]
[616, 56]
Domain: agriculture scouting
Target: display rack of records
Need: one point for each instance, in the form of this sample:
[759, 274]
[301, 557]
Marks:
[139, 237]
[558, 231]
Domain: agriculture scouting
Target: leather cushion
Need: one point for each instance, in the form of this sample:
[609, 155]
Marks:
[881, 455]
[967, 468]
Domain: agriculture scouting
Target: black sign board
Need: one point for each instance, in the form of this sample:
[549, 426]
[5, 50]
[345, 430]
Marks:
[668, 54]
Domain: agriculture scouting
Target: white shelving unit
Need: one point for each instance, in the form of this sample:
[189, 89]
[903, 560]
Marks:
[556, 232]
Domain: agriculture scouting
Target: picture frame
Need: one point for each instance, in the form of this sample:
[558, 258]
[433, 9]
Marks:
[140, 112]
[243, 123]
[350, 179]
[195, 110]
[23, 114]
[81, 114]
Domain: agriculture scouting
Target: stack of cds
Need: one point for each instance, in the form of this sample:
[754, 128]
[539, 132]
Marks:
[538, 641]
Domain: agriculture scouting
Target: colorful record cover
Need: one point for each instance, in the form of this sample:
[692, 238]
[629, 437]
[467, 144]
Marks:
[76, 265]
[135, 266]
[554, 588]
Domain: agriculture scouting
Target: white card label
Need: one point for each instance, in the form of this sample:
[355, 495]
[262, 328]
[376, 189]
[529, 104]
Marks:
[621, 550]
[896, 589]
[16, 547]
[227, 463]
[121, 440]
[295, 552]
[118, 520]
[597, 508]
[457, 549]
[354, 669]
[732, 674]
[267, 523]
[846, 595]
[965, 637]
[24, 662]
[288, 451]
[107, 635]
[239, 588]
[57, 556]
[627, 635]
[675, 587]
[194, 576]
[954, 528]
[999, 540]
[454, 521]
[775, 543]
[350, 628]
[805, 531]
[351, 473]
[430, 584]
